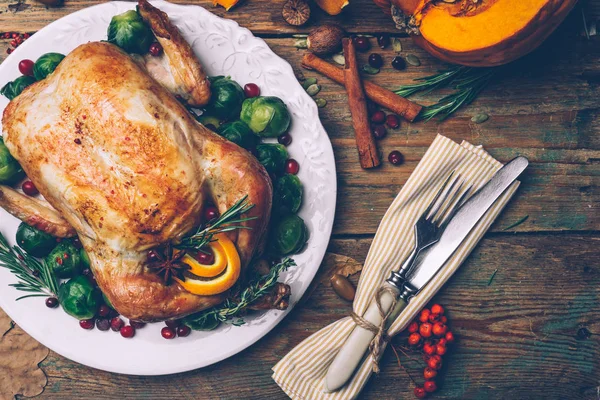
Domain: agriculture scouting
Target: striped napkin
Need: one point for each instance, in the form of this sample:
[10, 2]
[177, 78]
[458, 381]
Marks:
[301, 373]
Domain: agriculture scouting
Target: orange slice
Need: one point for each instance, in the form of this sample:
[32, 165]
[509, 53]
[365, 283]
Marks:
[212, 270]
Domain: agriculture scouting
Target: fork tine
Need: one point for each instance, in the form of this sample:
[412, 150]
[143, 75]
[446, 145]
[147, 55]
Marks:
[455, 205]
[447, 190]
[437, 196]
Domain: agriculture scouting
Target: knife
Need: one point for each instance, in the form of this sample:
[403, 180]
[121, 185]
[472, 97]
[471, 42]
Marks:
[425, 268]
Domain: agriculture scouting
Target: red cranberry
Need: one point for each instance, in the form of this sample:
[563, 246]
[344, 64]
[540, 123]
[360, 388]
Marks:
[9, 51]
[392, 121]
[26, 67]
[379, 131]
[51, 302]
[173, 324]
[362, 43]
[29, 188]
[375, 60]
[396, 157]
[205, 257]
[87, 323]
[155, 49]
[383, 41]
[167, 333]
[137, 324]
[420, 392]
[102, 324]
[104, 310]
[398, 63]
[116, 324]
[285, 139]
[378, 117]
[127, 331]
[210, 213]
[251, 90]
[183, 331]
[292, 166]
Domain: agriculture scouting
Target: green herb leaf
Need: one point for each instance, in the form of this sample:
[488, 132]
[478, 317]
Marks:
[519, 222]
[492, 277]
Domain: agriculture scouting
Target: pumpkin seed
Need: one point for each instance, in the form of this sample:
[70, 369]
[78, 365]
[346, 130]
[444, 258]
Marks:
[413, 60]
[397, 45]
[321, 102]
[308, 82]
[313, 89]
[299, 36]
[339, 59]
[480, 118]
[301, 44]
[370, 70]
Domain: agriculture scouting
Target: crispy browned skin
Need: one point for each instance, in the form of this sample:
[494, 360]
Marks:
[177, 68]
[128, 167]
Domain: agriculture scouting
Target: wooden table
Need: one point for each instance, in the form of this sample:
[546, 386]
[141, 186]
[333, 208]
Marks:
[524, 334]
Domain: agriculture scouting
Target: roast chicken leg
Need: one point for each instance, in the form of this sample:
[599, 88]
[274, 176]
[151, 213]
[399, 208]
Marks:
[126, 165]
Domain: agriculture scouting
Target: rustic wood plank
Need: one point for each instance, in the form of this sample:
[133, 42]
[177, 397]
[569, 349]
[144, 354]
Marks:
[517, 337]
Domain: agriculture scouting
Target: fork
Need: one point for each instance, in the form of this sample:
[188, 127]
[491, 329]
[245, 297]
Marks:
[428, 230]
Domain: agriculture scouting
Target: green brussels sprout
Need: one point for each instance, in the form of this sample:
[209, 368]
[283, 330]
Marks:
[272, 157]
[14, 88]
[203, 321]
[212, 123]
[33, 241]
[79, 298]
[130, 32]
[287, 194]
[290, 235]
[226, 99]
[65, 260]
[266, 116]
[10, 170]
[46, 64]
[238, 133]
[85, 260]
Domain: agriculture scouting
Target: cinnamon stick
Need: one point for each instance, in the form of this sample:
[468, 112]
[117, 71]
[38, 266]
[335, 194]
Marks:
[385, 98]
[367, 149]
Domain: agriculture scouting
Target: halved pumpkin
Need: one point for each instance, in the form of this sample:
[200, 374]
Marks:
[485, 32]
[332, 7]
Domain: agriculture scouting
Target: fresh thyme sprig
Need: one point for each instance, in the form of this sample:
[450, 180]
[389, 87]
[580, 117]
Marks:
[226, 222]
[467, 82]
[211, 318]
[34, 276]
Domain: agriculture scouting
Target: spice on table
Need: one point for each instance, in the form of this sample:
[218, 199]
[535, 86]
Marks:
[313, 89]
[480, 118]
[325, 39]
[365, 142]
[370, 70]
[301, 44]
[397, 45]
[343, 287]
[398, 63]
[375, 60]
[385, 98]
[339, 59]
[413, 60]
[362, 43]
[321, 102]
[308, 82]
[296, 12]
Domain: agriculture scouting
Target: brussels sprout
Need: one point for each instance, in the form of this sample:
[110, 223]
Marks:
[238, 133]
[287, 195]
[272, 157]
[46, 64]
[290, 235]
[85, 260]
[130, 32]
[266, 116]
[14, 88]
[33, 241]
[79, 298]
[10, 170]
[64, 260]
[210, 122]
[226, 99]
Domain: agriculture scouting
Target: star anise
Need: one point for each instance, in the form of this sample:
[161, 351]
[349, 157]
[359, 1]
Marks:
[168, 263]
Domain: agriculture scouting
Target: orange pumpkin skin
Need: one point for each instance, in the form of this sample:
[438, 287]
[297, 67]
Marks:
[513, 45]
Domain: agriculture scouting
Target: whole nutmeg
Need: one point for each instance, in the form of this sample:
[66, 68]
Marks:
[343, 287]
[296, 12]
[325, 39]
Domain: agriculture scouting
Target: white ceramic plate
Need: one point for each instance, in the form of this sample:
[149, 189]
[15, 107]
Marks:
[224, 48]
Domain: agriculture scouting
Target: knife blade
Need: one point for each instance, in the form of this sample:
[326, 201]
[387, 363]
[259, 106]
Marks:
[425, 268]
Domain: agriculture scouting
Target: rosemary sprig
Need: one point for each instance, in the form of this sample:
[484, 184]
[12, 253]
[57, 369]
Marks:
[34, 276]
[211, 318]
[228, 221]
[467, 82]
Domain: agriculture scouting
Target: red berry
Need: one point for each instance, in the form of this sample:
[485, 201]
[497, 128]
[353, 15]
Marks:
[437, 309]
[424, 316]
[26, 36]
[413, 327]
[285, 139]
[395, 157]
[13, 43]
[434, 318]
[442, 341]
[102, 324]
[420, 392]
[183, 331]
[9, 51]
[205, 256]
[378, 117]
[392, 121]
[29, 188]
[104, 310]
[443, 319]
[51, 302]
[425, 329]
[429, 373]
[435, 362]
[116, 324]
[429, 349]
[414, 339]
[15, 35]
[173, 324]
[127, 331]
[430, 386]
[383, 41]
[167, 333]
[251, 90]
[379, 131]
[449, 337]
[292, 166]
[137, 324]
[155, 49]
[362, 43]
[440, 349]
[87, 323]
[26, 67]
[439, 329]
[210, 213]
